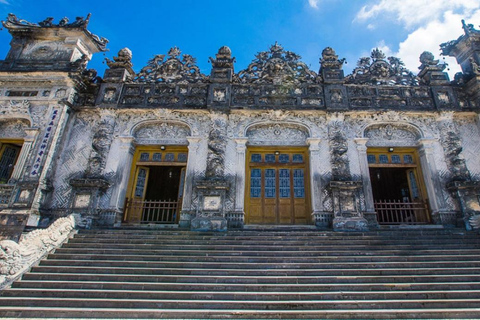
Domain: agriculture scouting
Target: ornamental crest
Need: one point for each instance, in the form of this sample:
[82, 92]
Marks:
[277, 66]
[377, 70]
[171, 70]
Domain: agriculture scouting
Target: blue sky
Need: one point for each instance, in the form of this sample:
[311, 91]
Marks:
[199, 27]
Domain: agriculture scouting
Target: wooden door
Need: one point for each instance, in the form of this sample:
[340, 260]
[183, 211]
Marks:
[138, 196]
[276, 189]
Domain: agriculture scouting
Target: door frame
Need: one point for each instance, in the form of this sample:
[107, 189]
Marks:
[415, 166]
[138, 163]
[304, 150]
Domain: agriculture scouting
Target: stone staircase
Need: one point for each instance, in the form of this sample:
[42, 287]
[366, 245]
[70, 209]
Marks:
[133, 273]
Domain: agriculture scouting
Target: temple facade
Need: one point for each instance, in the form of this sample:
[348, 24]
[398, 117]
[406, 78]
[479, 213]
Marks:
[274, 144]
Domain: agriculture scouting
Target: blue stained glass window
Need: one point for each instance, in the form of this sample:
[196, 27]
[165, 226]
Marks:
[396, 158]
[256, 157]
[182, 184]
[182, 157]
[298, 183]
[170, 157]
[298, 158]
[284, 158]
[371, 158]
[413, 185]
[270, 158]
[383, 158]
[157, 157]
[255, 183]
[270, 183]
[284, 181]
[407, 158]
[144, 156]
[141, 180]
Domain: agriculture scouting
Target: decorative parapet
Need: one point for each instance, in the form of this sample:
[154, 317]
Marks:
[277, 66]
[171, 70]
[379, 71]
[18, 258]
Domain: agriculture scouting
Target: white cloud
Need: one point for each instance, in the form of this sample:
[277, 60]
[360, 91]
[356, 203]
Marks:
[313, 3]
[4, 2]
[430, 23]
[412, 13]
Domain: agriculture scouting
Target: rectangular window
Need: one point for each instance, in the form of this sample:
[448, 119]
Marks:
[270, 158]
[157, 157]
[396, 158]
[256, 157]
[270, 183]
[371, 158]
[144, 156]
[298, 183]
[298, 158]
[255, 183]
[170, 157]
[141, 180]
[284, 181]
[284, 158]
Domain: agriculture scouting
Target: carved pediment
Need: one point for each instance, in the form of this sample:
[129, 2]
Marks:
[277, 66]
[377, 69]
[171, 70]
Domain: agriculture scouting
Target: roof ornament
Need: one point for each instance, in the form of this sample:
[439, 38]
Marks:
[377, 69]
[276, 66]
[12, 22]
[171, 70]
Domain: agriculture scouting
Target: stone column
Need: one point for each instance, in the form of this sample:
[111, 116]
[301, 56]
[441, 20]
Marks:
[431, 178]
[187, 210]
[24, 153]
[121, 151]
[315, 180]
[369, 213]
[239, 211]
[43, 182]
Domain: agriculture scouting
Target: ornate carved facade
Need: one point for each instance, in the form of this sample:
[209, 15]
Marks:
[275, 143]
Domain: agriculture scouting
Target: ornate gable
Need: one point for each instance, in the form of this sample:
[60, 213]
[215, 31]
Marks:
[277, 66]
[171, 70]
[380, 71]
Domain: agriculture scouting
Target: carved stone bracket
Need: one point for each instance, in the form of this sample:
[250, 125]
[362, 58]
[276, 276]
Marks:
[17, 258]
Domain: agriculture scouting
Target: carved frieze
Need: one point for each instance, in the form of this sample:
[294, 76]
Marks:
[277, 134]
[391, 135]
[153, 133]
[14, 128]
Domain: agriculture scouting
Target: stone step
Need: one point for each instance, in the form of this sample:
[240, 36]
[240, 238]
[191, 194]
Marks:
[334, 313]
[277, 279]
[269, 266]
[236, 295]
[265, 258]
[257, 272]
[242, 305]
[278, 247]
[173, 250]
[249, 287]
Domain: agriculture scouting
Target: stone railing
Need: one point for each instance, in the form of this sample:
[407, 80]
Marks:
[5, 194]
[18, 258]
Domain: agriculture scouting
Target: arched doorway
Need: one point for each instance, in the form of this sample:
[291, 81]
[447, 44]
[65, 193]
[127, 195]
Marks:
[396, 177]
[277, 175]
[157, 178]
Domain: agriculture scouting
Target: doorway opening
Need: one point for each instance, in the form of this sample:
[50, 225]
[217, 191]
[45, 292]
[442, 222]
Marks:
[156, 187]
[398, 192]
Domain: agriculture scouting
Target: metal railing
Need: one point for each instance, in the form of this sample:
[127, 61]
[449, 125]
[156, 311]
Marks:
[151, 211]
[399, 212]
